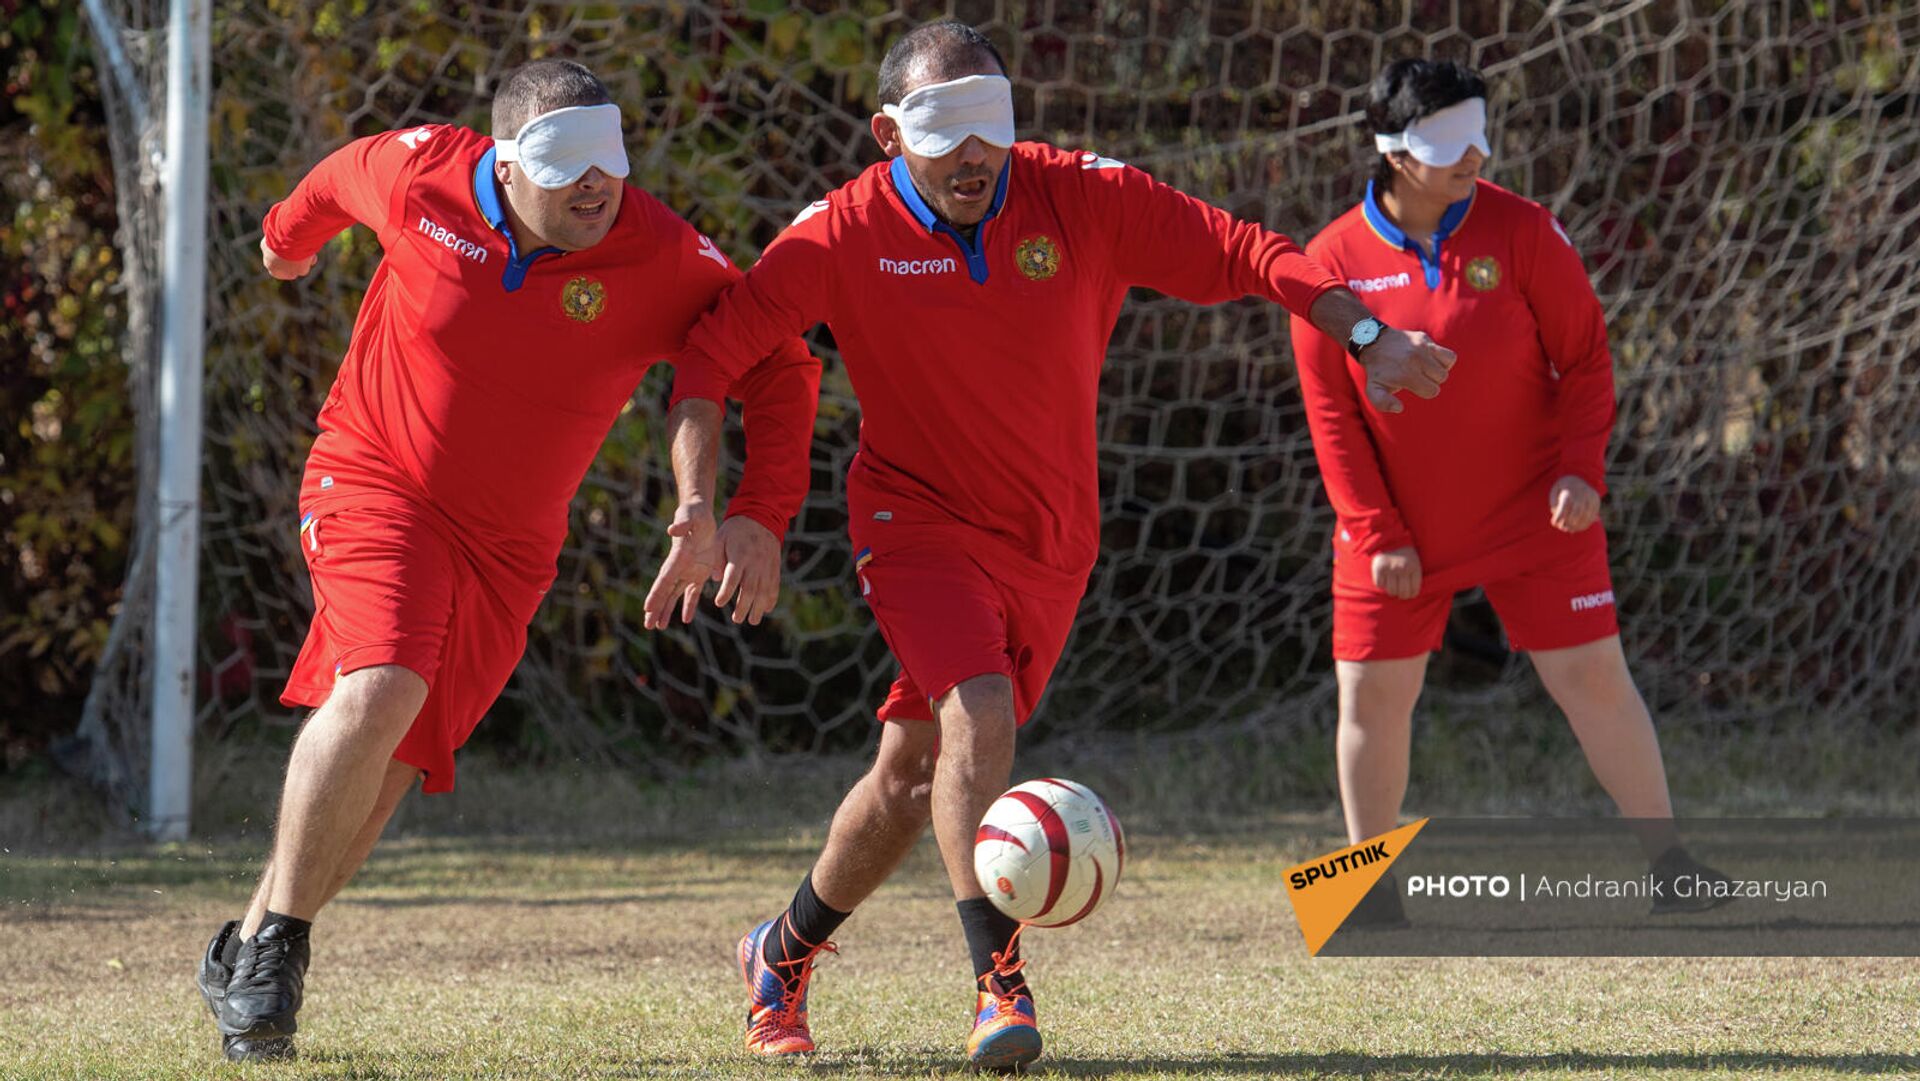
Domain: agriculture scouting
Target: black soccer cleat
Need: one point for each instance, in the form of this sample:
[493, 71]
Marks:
[215, 973]
[1686, 885]
[264, 994]
[248, 1049]
[213, 977]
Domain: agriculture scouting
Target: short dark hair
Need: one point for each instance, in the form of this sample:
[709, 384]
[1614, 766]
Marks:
[940, 48]
[1410, 90]
[541, 87]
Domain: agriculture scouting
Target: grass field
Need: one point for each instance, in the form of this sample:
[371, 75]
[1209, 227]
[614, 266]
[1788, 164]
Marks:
[571, 924]
[474, 957]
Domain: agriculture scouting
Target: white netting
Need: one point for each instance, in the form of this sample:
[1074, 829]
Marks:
[1744, 178]
[131, 49]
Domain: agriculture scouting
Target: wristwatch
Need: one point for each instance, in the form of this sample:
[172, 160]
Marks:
[1364, 333]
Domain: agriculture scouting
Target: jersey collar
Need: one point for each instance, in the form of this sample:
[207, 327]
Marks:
[1384, 227]
[486, 197]
[922, 213]
[486, 192]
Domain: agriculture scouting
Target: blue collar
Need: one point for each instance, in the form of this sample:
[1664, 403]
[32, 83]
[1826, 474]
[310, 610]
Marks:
[1393, 234]
[486, 196]
[976, 251]
[486, 192]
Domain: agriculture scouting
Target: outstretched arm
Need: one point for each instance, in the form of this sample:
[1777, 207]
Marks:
[780, 397]
[1398, 360]
[757, 319]
[1166, 239]
[693, 431]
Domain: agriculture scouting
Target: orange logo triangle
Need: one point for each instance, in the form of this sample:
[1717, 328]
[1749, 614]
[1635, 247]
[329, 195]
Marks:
[1325, 891]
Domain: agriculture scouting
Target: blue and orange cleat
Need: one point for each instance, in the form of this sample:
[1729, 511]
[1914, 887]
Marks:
[1006, 1034]
[776, 1004]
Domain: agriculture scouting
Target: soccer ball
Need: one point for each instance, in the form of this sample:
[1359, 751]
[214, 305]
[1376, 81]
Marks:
[1048, 852]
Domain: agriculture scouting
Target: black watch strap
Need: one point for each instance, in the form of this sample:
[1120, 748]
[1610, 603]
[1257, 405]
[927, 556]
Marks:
[1354, 346]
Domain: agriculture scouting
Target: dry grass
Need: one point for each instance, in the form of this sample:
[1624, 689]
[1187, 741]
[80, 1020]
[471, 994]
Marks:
[476, 957]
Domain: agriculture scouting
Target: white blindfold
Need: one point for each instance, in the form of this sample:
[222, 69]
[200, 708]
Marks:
[1443, 138]
[557, 148]
[934, 120]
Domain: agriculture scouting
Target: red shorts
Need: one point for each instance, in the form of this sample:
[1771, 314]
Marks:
[1554, 605]
[947, 618]
[388, 588]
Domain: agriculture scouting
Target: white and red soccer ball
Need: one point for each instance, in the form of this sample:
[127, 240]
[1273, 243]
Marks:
[1048, 852]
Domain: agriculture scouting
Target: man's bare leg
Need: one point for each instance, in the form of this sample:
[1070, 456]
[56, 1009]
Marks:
[334, 781]
[399, 780]
[881, 818]
[876, 825]
[341, 787]
[978, 726]
[975, 766]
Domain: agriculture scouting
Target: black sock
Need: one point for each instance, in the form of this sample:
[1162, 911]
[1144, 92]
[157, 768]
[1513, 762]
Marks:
[990, 931]
[807, 923]
[295, 927]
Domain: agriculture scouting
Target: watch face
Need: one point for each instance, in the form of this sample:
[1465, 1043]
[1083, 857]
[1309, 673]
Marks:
[1365, 331]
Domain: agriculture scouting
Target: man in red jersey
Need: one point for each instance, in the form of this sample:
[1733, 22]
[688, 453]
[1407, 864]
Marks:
[971, 284]
[1497, 486]
[524, 291]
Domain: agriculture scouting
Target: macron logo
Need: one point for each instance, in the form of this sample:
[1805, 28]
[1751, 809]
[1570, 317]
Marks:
[443, 236]
[1588, 601]
[414, 138]
[1380, 285]
[946, 265]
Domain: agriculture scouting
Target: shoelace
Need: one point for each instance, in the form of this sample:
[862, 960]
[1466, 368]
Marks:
[1004, 1004]
[268, 963]
[787, 1017]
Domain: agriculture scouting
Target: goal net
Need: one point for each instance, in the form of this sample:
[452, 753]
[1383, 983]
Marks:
[1743, 177]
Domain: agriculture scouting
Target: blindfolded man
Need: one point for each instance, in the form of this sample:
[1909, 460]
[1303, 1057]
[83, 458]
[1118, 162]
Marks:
[971, 282]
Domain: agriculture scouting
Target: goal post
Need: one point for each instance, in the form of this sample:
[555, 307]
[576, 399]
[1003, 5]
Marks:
[183, 315]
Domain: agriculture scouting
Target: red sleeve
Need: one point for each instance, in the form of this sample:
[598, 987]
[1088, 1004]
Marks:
[1166, 239]
[360, 182]
[779, 395]
[1349, 463]
[784, 295]
[1573, 331]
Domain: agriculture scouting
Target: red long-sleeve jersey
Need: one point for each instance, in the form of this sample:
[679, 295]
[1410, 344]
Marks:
[977, 364]
[1463, 478]
[481, 380]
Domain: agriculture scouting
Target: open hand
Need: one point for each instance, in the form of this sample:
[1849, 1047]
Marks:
[750, 569]
[692, 561]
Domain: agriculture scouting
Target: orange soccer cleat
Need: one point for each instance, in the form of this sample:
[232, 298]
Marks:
[1006, 1035]
[776, 1001]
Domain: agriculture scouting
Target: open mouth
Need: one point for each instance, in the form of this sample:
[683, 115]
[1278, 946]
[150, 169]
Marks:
[973, 190]
[589, 212]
